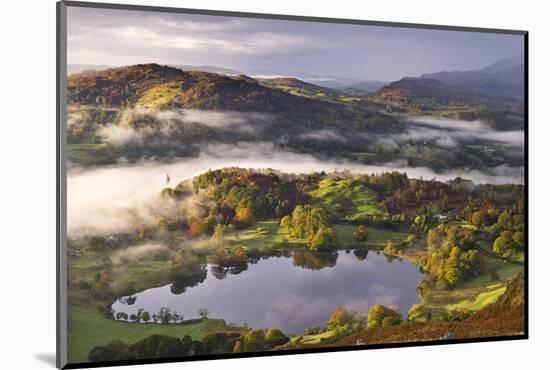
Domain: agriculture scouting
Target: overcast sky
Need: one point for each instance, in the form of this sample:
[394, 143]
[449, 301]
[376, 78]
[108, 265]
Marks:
[259, 46]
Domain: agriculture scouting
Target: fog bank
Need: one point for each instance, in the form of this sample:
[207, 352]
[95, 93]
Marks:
[116, 197]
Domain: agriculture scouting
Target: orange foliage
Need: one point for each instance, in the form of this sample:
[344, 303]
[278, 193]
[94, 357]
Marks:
[243, 218]
[197, 228]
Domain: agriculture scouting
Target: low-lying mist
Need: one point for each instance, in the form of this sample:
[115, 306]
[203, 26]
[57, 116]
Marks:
[116, 198]
[149, 251]
[449, 133]
[135, 124]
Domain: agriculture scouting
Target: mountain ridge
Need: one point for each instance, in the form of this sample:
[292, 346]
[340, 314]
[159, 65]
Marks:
[501, 79]
[128, 85]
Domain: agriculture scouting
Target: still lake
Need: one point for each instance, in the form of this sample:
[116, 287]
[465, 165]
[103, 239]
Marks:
[291, 293]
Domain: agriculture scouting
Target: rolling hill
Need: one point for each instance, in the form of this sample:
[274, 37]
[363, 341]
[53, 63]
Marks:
[157, 86]
[498, 86]
[424, 94]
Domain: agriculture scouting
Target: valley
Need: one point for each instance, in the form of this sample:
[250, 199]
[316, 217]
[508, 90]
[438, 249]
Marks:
[212, 212]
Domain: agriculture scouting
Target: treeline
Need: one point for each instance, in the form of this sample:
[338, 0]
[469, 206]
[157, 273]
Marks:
[161, 346]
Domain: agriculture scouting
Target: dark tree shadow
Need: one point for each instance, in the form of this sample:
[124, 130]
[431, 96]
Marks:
[47, 358]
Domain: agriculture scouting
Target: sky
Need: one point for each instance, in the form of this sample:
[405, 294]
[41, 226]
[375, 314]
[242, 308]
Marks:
[277, 47]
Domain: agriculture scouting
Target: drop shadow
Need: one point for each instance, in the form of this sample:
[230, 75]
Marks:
[47, 358]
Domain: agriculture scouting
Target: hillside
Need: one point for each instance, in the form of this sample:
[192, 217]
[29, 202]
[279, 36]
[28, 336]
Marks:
[294, 82]
[424, 94]
[309, 90]
[168, 87]
[295, 115]
[499, 86]
[505, 317]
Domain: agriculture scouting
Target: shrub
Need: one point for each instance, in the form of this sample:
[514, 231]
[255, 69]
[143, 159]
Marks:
[360, 233]
[380, 315]
[275, 337]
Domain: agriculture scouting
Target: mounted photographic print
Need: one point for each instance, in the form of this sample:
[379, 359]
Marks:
[236, 184]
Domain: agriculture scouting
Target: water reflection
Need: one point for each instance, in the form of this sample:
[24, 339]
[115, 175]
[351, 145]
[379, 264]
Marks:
[290, 291]
[314, 260]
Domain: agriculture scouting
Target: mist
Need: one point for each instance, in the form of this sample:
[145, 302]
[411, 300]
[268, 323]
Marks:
[135, 125]
[149, 251]
[450, 133]
[116, 198]
[323, 135]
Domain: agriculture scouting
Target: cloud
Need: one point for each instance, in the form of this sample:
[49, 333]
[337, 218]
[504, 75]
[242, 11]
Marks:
[119, 37]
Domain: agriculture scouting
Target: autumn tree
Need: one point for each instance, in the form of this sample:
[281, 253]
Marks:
[380, 315]
[322, 240]
[339, 318]
[243, 218]
[310, 224]
[519, 238]
[504, 244]
[275, 337]
[505, 220]
[392, 248]
[254, 340]
[360, 233]
[477, 218]
[197, 228]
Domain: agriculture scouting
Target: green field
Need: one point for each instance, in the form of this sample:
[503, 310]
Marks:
[144, 274]
[87, 328]
[376, 237]
[83, 152]
[483, 299]
[266, 235]
[316, 338]
[476, 293]
[262, 235]
[346, 199]
[159, 95]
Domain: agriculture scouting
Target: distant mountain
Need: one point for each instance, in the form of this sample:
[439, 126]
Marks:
[424, 94]
[364, 87]
[504, 64]
[77, 68]
[502, 79]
